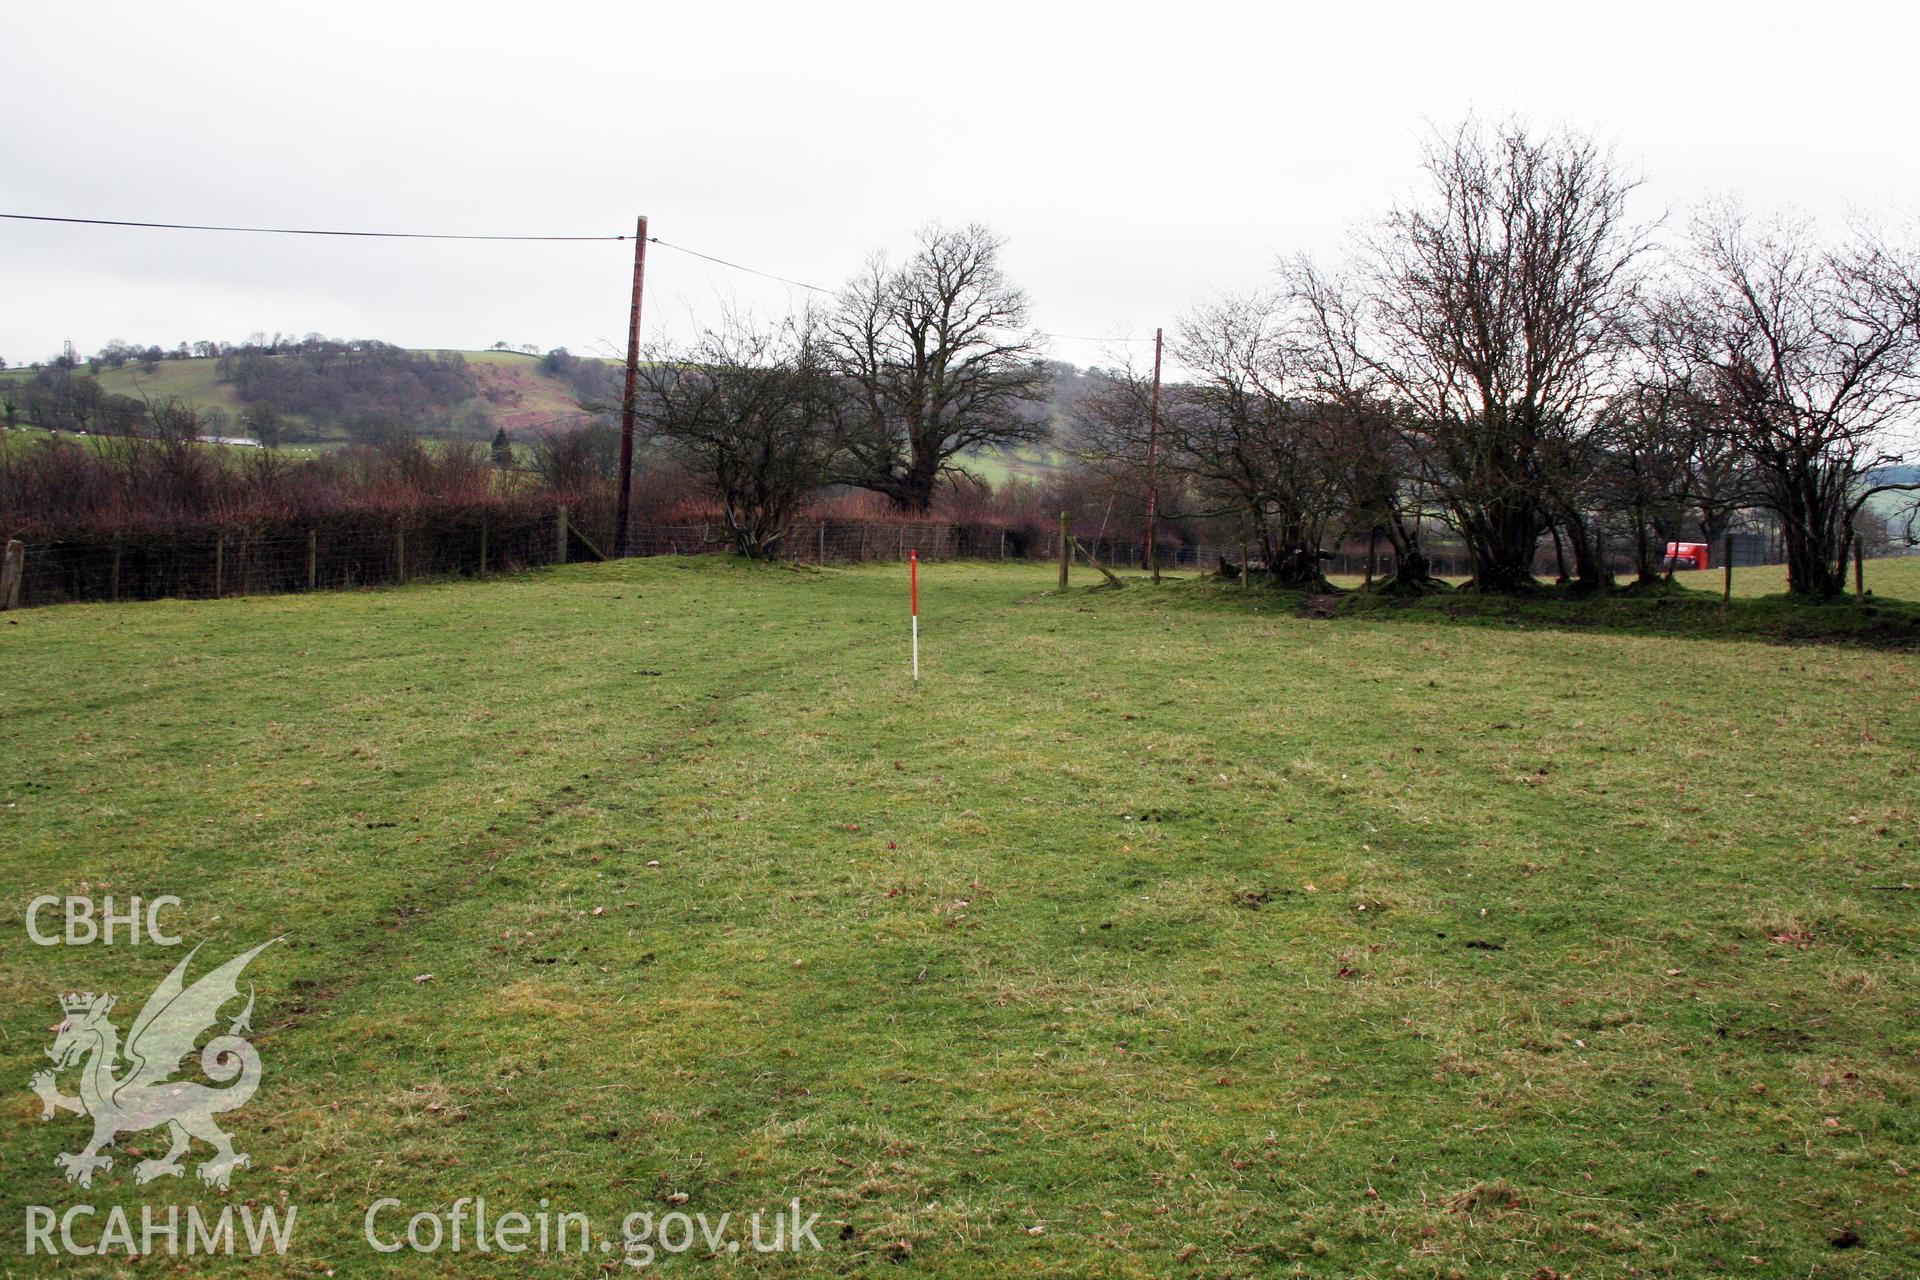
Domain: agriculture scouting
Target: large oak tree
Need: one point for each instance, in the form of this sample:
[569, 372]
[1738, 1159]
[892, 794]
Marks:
[934, 357]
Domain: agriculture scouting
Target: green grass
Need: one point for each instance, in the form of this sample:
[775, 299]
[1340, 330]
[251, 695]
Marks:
[193, 381]
[1898, 578]
[1156, 934]
[998, 467]
[1889, 617]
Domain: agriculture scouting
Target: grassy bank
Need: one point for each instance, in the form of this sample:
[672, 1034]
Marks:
[1691, 605]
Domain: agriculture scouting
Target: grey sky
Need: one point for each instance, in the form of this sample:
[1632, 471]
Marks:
[1136, 156]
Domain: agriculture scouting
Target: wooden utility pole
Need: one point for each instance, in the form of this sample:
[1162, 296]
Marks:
[1066, 551]
[626, 398]
[12, 571]
[1153, 445]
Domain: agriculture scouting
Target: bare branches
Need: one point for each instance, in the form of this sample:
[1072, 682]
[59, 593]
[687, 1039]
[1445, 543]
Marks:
[1492, 318]
[749, 408]
[937, 359]
[1809, 353]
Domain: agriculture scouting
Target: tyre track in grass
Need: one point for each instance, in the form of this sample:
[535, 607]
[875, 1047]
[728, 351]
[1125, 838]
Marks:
[410, 915]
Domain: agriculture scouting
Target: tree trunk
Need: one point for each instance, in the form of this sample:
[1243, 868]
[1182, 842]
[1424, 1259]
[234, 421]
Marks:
[1501, 539]
[1412, 572]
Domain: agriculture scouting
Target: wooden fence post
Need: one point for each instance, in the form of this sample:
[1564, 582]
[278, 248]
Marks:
[1859, 569]
[219, 565]
[12, 570]
[560, 535]
[823, 542]
[313, 559]
[117, 548]
[400, 552]
[1726, 587]
[483, 546]
[1066, 552]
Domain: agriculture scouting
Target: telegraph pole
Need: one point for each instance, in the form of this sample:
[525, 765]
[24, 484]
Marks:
[1153, 443]
[626, 399]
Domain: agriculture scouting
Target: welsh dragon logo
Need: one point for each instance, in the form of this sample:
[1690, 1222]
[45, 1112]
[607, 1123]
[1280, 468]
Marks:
[145, 1096]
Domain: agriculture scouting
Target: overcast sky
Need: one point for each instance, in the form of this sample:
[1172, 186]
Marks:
[1135, 157]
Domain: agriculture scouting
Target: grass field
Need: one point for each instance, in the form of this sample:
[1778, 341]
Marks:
[999, 467]
[1156, 934]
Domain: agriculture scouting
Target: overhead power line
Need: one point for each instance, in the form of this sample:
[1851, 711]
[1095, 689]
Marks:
[798, 284]
[396, 235]
[445, 235]
[284, 231]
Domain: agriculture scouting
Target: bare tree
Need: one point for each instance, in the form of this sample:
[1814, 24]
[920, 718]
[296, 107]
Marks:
[576, 458]
[1374, 448]
[1110, 423]
[936, 359]
[1643, 476]
[1810, 355]
[1491, 315]
[1250, 440]
[748, 408]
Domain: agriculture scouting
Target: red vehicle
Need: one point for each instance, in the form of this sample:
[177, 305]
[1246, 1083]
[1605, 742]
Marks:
[1686, 555]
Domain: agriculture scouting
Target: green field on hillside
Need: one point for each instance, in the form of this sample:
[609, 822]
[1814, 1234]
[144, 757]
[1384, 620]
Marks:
[1157, 933]
[194, 381]
[997, 467]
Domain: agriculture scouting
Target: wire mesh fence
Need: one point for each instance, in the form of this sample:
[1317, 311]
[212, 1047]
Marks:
[211, 562]
[361, 551]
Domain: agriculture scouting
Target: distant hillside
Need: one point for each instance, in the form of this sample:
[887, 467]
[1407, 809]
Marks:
[328, 398]
[317, 393]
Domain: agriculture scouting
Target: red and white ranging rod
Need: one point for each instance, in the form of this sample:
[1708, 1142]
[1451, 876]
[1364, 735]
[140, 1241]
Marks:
[913, 579]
